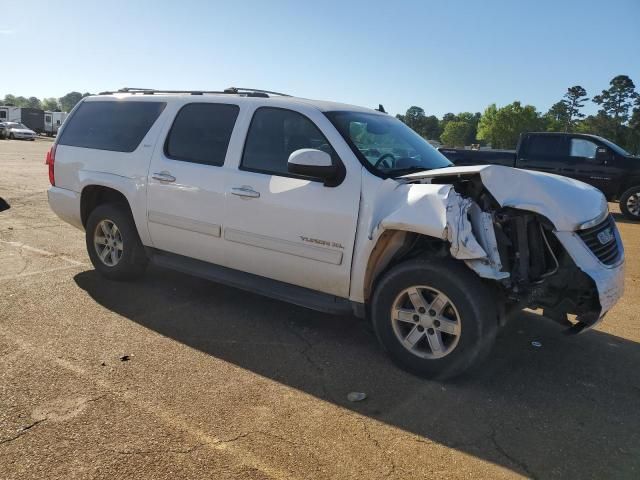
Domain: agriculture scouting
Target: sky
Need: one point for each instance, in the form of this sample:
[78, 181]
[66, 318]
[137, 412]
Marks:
[445, 56]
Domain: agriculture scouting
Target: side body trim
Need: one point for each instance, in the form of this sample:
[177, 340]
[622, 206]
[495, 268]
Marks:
[185, 223]
[320, 254]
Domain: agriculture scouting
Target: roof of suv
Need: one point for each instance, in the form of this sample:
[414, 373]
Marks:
[277, 99]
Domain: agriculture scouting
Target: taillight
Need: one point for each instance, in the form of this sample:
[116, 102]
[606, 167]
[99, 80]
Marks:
[51, 160]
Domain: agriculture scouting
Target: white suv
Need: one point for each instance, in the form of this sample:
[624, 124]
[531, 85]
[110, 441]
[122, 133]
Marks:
[336, 208]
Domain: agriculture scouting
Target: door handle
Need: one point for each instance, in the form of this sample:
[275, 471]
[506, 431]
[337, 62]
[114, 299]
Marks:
[163, 177]
[245, 191]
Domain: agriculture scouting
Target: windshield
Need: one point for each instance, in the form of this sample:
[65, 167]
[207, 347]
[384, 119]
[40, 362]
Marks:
[385, 144]
[16, 125]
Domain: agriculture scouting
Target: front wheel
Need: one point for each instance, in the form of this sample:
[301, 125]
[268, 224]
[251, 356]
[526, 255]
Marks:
[12, 136]
[630, 203]
[435, 318]
[113, 243]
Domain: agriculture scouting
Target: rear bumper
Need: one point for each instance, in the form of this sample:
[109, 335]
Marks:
[609, 279]
[66, 205]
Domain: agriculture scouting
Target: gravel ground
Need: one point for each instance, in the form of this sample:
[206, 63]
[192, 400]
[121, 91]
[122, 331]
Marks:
[176, 377]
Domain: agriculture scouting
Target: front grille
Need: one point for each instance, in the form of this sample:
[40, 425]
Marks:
[607, 252]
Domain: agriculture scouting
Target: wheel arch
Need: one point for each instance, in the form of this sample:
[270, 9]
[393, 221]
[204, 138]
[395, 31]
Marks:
[94, 195]
[393, 246]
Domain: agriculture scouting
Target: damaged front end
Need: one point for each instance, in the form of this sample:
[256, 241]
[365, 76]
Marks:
[535, 263]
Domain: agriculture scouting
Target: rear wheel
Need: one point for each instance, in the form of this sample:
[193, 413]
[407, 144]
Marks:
[113, 243]
[435, 318]
[630, 203]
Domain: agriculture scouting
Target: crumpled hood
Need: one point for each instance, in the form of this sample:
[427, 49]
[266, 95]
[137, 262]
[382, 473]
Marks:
[566, 202]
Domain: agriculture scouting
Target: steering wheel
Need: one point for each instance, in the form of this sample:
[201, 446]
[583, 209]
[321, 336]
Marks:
[383, 158]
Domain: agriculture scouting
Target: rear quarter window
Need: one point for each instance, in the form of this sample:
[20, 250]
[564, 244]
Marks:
[115, 126]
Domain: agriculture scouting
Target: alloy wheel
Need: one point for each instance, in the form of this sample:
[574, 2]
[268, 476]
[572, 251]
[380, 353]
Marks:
[426, 322]
[107, 240]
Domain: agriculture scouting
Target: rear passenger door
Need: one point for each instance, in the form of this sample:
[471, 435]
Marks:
[546, 153]
[186, 181]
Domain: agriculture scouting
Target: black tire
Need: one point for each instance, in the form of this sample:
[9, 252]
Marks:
[629, 201]
[471, 298]
[133, 260]
[12, 136]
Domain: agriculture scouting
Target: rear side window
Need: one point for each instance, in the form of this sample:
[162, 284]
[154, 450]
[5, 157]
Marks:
[547, 146]
[274, 134]
[115, 126]
[201, 133]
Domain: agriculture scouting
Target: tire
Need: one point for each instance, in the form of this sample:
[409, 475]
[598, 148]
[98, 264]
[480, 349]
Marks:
[125, 258]
[463, 331]
[12, 136]
[630, 203]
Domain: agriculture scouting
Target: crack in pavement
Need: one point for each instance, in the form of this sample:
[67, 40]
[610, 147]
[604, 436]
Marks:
[22, 431]
[508, 456]
[310, 360]
[157, 451]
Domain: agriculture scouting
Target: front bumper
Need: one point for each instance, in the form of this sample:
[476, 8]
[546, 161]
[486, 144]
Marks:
[609, 279]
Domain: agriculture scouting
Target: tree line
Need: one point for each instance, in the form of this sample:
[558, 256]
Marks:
[617, 119]
[62, 104]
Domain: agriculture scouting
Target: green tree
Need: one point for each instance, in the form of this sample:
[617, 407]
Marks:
[34, 102]
[50, 104]
[616, 103]
[9, 99]
[557, 117]
[414, 118]
[456, 133]
[502, 126]
[600, 124]
[21, 102]
[573, 101]
[430, 127]
[69, 101]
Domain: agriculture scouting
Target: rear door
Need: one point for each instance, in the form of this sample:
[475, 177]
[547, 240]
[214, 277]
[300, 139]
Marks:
[186, 181]
[287, 227]
[546, 153]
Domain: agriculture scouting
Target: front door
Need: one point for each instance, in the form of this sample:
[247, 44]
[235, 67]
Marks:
[186, 182]
[286, 227]
[588, 169]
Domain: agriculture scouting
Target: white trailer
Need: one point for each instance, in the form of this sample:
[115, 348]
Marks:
[53, 121]
[10, 114]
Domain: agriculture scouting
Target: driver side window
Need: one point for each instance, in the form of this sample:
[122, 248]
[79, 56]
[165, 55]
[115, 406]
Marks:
[274, 134]
[583, 148]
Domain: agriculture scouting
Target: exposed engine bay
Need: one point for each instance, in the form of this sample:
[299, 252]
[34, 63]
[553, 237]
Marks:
[518, 249]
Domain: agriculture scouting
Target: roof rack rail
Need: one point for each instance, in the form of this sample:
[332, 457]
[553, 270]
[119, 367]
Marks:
[249, 92]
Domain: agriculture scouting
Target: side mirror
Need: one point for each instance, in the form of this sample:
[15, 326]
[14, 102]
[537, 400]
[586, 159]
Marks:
[312, 163]
[602, 154]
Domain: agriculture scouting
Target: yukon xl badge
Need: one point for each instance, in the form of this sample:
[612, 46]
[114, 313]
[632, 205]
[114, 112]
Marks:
[605, 236]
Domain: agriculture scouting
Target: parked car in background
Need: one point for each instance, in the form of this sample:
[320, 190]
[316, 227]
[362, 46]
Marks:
[591, 159]
[337, 208]
[18, 131]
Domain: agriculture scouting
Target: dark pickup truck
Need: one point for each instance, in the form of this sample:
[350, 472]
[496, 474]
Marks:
[588, 158]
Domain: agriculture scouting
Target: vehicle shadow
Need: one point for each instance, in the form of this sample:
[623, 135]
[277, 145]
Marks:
[567, 408]
[620, 218]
